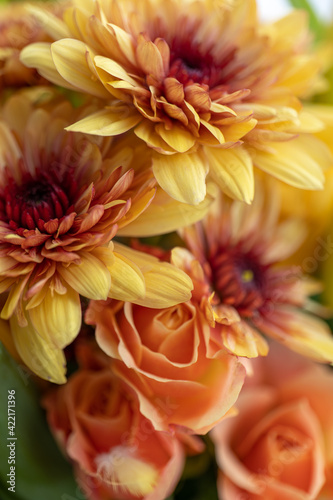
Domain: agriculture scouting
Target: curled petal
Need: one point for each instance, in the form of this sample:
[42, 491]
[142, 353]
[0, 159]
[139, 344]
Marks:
[174, 91]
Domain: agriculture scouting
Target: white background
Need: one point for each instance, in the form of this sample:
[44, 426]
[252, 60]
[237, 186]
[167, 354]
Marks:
[273, 9]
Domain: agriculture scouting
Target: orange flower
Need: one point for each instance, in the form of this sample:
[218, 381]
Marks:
[162, 355]
[280, 445]
[234, 257]
[62, 200]
[196, 77]
[116, 452]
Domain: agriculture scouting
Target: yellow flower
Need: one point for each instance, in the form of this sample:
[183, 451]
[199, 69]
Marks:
[197, 77]
[63, 197]
[314, 208]
[235, 258]
[19, 28]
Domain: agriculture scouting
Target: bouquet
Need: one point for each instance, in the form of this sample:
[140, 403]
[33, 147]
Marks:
[166, 255]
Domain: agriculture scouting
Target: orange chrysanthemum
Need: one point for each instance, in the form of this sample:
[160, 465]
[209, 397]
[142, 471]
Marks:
[196, 77]
[62, 199]
[235, 259]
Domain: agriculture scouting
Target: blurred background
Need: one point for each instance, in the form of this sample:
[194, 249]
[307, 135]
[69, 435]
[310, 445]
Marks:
[277, 8]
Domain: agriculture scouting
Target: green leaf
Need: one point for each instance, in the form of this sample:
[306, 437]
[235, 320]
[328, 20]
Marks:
[41, 472]
[316, 25]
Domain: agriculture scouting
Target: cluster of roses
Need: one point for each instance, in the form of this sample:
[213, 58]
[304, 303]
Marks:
[123, 120]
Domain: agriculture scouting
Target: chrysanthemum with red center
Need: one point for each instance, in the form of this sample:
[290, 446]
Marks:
[235, 258]
[197, 77]
[63, 198]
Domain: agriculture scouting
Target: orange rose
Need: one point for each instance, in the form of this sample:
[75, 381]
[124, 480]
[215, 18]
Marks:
[280, 445]
[116, 451]
[162, 355]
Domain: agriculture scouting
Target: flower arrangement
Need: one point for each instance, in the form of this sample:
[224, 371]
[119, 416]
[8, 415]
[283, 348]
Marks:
[166, 256]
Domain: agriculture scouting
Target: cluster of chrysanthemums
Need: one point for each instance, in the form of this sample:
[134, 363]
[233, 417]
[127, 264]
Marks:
[127, 119]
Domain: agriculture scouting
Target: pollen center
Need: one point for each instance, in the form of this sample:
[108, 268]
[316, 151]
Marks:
[239, 280]
[247, 276]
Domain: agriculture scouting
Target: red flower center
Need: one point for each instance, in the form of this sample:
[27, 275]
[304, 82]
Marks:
[239, 280]
[188, 65]
[35, 201]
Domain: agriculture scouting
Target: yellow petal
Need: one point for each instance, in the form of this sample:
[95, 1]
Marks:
[58, 317]
[324, 113]
[178, 138]
[9, 147]
[166, 285]
[210, 134]
[125, 42]
[42, 357]
[127, 281]
[113, 68]
[90, 278]
[182, 176]
[146, 132]
[232, 170]
[149, 58]
[38, 55]
[164, 50]
[301, 332]
[298, 162]
[165, 215]
[107, 122]
[54, 26]
[308, 122]
[70, 57]
[243, 340]
[236, 131]
[13, 298]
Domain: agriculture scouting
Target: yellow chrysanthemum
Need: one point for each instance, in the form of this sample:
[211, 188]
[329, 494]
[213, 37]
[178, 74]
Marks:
[313, 208]
[196, 77]
[19, 28]
[63, 197]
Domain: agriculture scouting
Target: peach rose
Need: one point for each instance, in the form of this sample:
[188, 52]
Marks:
[161, 354]
[280, 445]
[117, 454]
